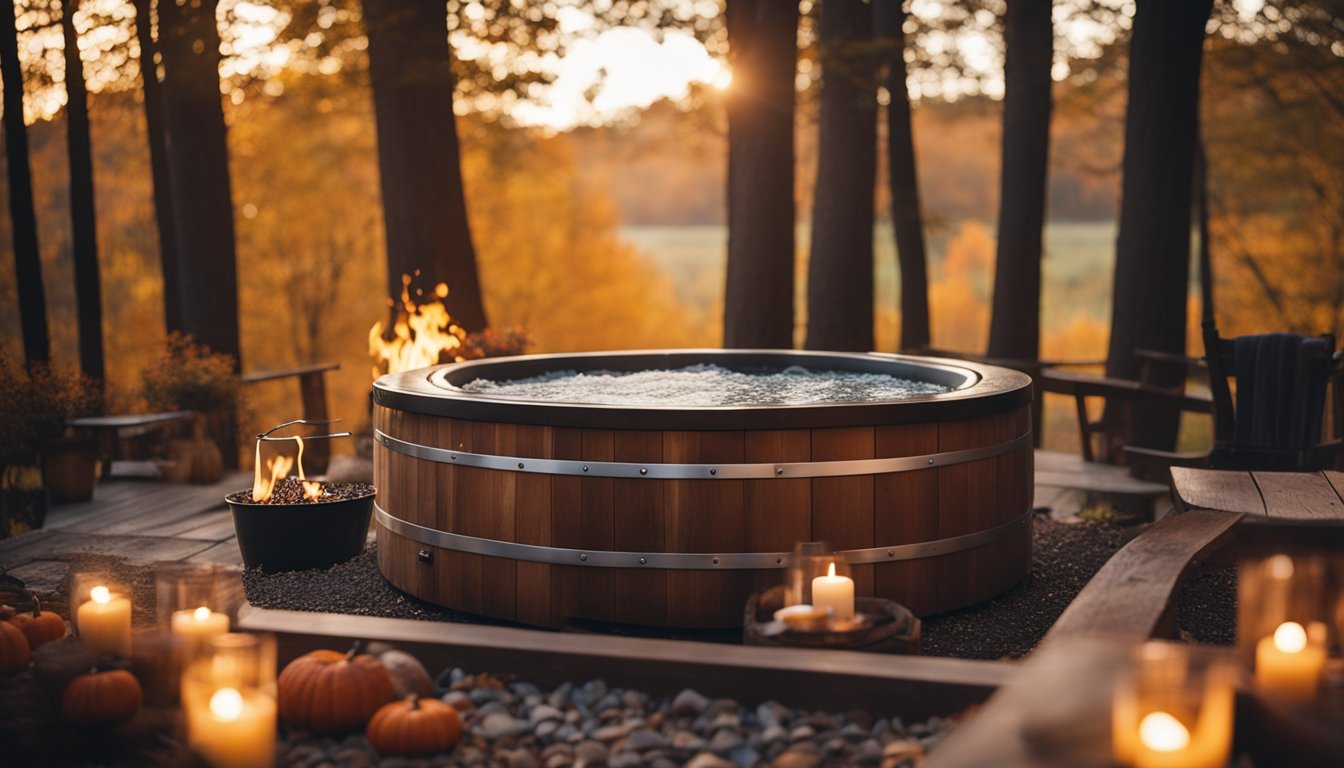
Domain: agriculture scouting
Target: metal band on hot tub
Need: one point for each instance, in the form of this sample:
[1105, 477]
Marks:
[659, 471]
[680, 560]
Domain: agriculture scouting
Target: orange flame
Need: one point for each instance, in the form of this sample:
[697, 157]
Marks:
[422, 334]
[278, 467]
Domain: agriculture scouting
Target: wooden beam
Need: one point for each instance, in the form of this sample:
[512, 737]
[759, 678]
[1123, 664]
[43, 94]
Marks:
[887, 685]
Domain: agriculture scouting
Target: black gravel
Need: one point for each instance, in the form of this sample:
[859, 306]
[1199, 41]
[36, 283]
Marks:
[1064, 559]
[289, 490]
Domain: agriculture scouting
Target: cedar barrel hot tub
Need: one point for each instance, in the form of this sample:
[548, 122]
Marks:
[542, 511]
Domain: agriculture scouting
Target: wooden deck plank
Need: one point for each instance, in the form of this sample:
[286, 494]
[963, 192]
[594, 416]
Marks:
[224, 553]
[1299, 496]
[215, 525]
[1216, 489]
[1127, 598]
[1067, 470]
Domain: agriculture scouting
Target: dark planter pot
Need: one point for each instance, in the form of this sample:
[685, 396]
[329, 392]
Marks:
[23, 500]
[70, 468]
[297, 537]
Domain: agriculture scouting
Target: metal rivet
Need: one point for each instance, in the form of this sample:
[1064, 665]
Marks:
[779, 561]
[643, 471]
[716, 561]
[930, 461]
[425, 556]
[453, 456]
[585, 467]
[520, 465]
[891, 553]
[713, 471]
[643, 560]
[583, 556]
[779, 470]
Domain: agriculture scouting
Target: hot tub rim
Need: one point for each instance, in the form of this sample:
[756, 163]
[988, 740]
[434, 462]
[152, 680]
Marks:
[996, 390]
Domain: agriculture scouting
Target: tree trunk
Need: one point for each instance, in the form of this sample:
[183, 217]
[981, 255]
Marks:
[27, 258]
[83, 221]
[424, 208]
[1206, 305]
[158, 163]
[1152, 259]
[840, 267]
[1015, 326]
[198, 162]
[758, 300]
[907, 218]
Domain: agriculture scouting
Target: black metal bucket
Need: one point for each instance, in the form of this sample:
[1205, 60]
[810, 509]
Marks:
[297, 537]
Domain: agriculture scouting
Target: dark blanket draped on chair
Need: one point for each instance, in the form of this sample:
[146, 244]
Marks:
[1281, 381]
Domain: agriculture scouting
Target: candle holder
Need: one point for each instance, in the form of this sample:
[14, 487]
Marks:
[185, 591]
[1283, 624]
[228, 698]
[100, 613]
[1170, 712]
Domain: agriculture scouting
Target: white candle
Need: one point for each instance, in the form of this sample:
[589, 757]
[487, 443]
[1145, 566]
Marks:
[1288, 663]
[199, 623]
[834, 593]
[232, 727]
[104, 621]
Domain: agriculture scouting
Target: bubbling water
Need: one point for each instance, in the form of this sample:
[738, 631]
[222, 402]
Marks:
[707, 386]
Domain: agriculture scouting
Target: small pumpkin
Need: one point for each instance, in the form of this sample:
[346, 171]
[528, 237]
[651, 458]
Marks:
[414, 726]
[329, 691]
[14, 650]
[39, 626]
[101, 698]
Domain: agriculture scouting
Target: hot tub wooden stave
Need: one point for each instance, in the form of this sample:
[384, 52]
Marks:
[422, 497]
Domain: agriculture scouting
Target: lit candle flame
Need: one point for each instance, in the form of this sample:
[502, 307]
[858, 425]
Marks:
[1161, 732]
[226, 705]
[101, 595]
[202, 613]
[1290, 637]
[830, 572]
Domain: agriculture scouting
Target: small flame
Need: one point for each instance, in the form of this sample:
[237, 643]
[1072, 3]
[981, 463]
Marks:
[202, 613]
[101, 595]
[1161, 732]
[278, 467]
[1290, 637]
[226, 705]
[830, 572]
[422, 334]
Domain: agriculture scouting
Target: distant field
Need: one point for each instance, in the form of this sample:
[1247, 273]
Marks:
[1077, 268]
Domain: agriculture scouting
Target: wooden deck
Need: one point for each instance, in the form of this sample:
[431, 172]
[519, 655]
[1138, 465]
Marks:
[139, 521]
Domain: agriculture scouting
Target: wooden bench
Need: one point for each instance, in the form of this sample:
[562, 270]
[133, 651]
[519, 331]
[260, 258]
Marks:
[313, 393]
[114, 433]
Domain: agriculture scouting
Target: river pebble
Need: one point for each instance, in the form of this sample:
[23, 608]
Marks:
[516, 725]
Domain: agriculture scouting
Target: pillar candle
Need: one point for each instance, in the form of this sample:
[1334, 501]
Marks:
[232, 727]
[104, 621]
[835, 593]
[199, 623]
[1288, 663]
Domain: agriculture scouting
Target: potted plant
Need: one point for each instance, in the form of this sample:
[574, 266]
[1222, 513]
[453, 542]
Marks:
[190, 377]
[39, 457]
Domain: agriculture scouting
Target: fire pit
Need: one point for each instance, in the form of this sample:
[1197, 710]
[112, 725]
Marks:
[671, 515]
[291, 523]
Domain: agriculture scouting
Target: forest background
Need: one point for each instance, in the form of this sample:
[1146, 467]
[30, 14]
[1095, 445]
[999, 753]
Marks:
[610, 234]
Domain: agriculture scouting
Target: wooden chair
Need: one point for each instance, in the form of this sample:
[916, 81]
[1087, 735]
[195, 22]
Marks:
[1112, 431]
[1273, 420]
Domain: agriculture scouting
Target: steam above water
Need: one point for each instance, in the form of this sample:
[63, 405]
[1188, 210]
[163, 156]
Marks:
[705, 386]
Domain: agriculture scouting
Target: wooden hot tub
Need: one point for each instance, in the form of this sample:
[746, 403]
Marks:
[539, 512]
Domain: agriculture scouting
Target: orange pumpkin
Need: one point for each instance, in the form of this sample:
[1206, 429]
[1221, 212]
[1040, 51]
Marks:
[329, 691]
[14, 650]
[101, 698]
[39, 626]
[414, 726]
